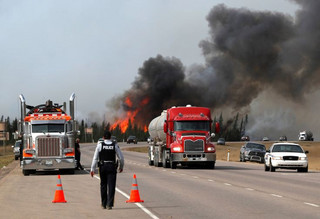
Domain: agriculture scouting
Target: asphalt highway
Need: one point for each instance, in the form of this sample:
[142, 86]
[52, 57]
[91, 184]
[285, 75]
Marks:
[232, 190]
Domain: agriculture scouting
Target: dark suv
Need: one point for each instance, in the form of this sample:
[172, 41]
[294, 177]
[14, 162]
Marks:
[251, 151]
[132, 139]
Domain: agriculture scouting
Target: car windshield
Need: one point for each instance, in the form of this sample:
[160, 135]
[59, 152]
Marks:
[192, 126]
[45, 128]
[287, 148]
[256, 146]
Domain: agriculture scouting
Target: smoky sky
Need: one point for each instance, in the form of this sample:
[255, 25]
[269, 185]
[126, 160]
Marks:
[246, 52]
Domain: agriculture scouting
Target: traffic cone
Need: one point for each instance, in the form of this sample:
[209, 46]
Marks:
[59, 196]
[134, 196]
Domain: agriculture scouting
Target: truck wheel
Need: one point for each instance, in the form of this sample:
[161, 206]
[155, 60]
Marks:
[165, 164]
[156, 161]
[28, 172]
[211, 165]
[173, 165]
[150, 162]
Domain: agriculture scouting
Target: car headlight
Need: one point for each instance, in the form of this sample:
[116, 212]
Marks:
[276, 158]
[303, 158]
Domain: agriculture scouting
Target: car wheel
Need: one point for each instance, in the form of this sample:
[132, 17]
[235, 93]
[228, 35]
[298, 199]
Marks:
[266, 168]
[240, 158]
[272, 169]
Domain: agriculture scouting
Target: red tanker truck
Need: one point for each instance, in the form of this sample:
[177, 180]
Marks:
[181, 135]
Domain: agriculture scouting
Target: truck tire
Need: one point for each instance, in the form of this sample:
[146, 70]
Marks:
[150, 162]
[211, 165]
[26, 172]
[165, 164]
[173, 165]
[156, 161]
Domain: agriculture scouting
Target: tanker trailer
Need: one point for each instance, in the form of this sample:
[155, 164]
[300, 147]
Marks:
[181, 135]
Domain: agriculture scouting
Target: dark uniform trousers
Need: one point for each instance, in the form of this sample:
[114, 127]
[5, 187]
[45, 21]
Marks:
[108, 176]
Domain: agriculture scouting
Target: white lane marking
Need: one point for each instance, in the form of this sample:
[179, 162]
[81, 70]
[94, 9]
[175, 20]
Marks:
[313, 205]
[227, 184]
[275, 195]
[249, 189]
[195, 177]
[173, 172]
[182, 174]
[128, 197]
[210, 180]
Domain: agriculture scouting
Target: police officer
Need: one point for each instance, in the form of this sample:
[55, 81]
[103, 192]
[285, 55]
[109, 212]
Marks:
[105, 155]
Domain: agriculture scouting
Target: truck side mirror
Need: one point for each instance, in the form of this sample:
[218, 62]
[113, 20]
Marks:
[212, 135]
[165, 127]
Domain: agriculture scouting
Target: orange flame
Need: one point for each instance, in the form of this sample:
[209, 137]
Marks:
[130, 115]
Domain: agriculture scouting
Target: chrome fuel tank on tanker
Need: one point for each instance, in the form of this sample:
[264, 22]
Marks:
[156, 127]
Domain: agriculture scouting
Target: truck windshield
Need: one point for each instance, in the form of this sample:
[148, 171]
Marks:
[45, 128]
[192, 126]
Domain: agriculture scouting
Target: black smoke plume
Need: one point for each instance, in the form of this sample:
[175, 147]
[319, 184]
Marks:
[246, 53]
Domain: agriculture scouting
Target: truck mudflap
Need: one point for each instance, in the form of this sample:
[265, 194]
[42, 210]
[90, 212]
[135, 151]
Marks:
[48, 163]
[193, 157]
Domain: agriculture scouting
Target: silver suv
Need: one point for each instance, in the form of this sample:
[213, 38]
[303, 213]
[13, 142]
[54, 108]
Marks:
[16, 149]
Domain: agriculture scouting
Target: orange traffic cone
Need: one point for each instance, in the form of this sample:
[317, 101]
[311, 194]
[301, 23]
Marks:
[134, 196]
[59, 196]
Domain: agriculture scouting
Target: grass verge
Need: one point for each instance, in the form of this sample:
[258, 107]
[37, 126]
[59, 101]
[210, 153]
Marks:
[6, 155]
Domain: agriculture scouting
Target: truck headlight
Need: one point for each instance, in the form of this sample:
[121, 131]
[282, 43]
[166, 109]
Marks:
[210, 149]
[177, 149]
[68, 150]
[30, 151]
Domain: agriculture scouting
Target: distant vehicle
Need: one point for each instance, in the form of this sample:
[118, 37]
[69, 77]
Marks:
[132, 139]
[283, 138]
[16, 149]
[221, 141]
[305, 136]
[114, 138]
[245, 138]
[251, 151]
[265, 139]
[286, 156]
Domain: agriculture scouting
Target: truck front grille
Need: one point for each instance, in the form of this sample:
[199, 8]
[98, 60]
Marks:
[190, 145]
[48, 147]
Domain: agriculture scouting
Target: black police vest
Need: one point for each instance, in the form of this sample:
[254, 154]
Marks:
[108, 152]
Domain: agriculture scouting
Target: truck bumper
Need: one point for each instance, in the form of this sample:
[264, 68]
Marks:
[193, 157]
[48, 163]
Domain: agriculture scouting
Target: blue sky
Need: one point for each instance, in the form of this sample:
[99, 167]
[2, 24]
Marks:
[50, 49]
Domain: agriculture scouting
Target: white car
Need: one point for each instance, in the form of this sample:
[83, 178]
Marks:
[286, 156]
